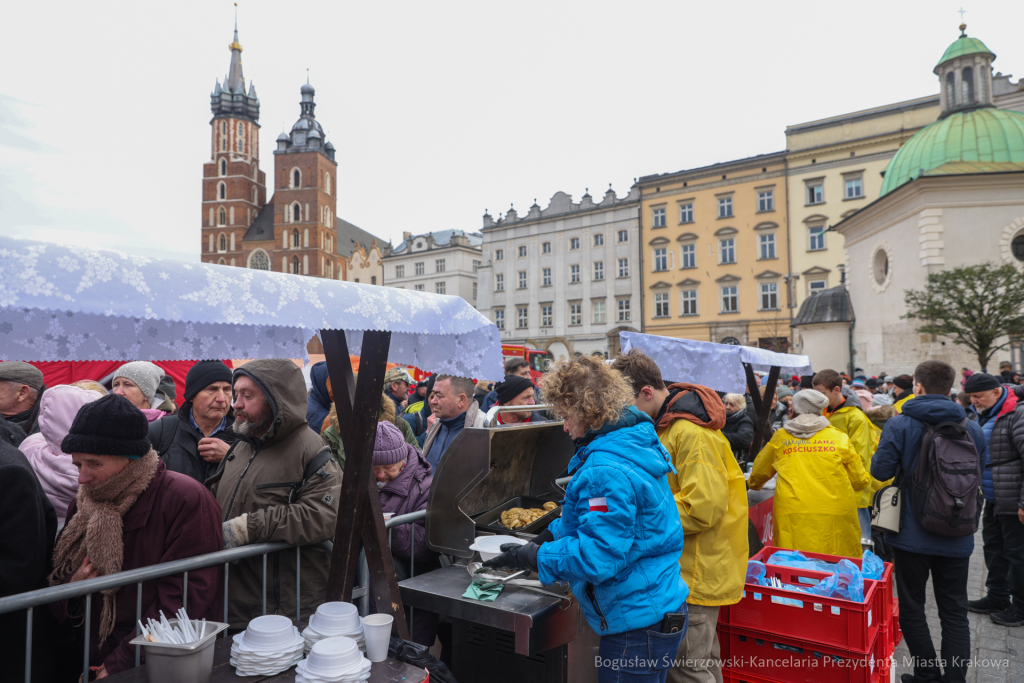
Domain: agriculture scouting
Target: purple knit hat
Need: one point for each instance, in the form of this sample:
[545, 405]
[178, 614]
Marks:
[390, 447]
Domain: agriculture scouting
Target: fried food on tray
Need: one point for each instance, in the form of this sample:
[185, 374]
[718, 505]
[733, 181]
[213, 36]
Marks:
[517, 518]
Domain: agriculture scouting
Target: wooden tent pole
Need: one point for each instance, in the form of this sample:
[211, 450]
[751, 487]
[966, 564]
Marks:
[359, 512]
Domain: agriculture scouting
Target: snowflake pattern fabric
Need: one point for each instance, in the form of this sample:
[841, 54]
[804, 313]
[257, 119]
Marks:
[60, 303]
[718, 366]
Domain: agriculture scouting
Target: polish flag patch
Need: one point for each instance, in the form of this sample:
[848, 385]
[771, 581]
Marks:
[599, 505]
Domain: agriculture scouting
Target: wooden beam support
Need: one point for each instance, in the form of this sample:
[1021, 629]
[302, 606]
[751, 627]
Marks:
[763, 411]
[358, 434]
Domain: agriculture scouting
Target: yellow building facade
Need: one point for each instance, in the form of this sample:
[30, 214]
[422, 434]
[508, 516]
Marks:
[835, 168]
[715, 253]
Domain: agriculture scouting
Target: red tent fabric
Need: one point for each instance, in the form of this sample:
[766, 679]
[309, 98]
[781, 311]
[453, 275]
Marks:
[66, 372]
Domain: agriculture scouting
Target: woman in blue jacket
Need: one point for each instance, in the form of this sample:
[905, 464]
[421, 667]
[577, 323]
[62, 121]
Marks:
[619, 539]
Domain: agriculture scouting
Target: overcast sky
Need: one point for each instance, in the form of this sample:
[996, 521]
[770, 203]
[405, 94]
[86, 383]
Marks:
[438, 110]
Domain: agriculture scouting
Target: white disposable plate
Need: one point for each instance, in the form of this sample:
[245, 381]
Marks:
[297, 639]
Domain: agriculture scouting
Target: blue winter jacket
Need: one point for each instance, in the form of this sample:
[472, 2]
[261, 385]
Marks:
[901, 440]
[619, 539]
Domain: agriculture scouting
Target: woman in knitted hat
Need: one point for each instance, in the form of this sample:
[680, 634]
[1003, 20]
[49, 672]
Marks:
[138, 381]
[130, 512]
[818, 475]
[404, 478]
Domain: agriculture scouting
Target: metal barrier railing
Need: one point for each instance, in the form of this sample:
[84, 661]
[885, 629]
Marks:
[28, 601]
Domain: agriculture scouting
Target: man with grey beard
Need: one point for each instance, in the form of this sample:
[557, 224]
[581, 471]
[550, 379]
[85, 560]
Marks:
[278, 483]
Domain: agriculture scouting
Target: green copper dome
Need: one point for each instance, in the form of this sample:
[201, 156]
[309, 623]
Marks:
[964, 46]
[962, 142]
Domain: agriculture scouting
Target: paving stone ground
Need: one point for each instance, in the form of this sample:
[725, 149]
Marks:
[997, 651]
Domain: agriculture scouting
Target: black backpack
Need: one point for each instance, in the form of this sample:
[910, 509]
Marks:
[945, 487]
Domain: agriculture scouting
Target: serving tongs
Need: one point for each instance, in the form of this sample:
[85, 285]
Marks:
[510, 577]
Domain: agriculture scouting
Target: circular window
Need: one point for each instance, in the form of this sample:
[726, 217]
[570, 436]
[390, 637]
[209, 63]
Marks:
[731, 341]
[1017, 247]
[881, 266]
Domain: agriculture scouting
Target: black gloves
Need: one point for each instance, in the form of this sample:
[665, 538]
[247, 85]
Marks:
[543, 537]
[515, 556]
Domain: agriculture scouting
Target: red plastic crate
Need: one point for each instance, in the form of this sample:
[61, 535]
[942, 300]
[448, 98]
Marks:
[896, 630]
[834, 622]
[754, 656]
[885, 595]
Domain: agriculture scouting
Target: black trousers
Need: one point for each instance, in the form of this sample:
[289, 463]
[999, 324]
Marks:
[1004, 555]
[949, 583]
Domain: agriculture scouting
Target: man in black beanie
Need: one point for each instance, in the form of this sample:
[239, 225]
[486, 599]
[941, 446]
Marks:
[1001, 418]
[903, 392]
[514, 391]
[195, 439]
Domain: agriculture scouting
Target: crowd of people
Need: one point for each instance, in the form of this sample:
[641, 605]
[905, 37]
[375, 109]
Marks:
[653, 536]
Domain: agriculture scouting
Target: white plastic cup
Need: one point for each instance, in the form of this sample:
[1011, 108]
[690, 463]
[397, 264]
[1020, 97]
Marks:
[377, 632]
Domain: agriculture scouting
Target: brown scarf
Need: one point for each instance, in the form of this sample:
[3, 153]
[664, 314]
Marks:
[95, 531]
[712, 404]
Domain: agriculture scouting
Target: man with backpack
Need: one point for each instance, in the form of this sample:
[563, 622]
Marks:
[936, 532]
[1001, 417]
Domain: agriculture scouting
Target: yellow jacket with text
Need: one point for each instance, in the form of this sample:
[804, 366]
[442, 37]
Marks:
[815, 506]
[711, 497]
[864, 437]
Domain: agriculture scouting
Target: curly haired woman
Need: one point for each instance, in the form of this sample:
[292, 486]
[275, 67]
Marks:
[619, 539]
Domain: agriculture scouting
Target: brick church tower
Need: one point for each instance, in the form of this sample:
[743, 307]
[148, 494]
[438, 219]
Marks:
[234, 188]
[305, 176]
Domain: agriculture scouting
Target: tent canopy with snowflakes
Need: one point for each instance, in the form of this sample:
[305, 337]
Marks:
[61, 303]
[68, 303]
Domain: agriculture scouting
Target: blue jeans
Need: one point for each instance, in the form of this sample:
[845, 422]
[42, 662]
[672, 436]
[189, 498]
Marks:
[643, 655]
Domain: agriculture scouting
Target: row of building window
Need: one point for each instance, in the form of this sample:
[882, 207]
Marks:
[621, 236]
[574, 275]
[598, 309]
[853, 188]
[222, 192]
[766, 249]
[768, 300]
[239, 138]
[223, 169]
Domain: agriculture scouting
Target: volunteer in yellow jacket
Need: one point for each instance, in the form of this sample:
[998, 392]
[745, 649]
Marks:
[861, 431]
[711, 497]
[818, 476]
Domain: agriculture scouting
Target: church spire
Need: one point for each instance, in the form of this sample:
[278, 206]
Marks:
[230, 98]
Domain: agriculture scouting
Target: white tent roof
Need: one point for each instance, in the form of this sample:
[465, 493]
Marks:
[718, 366]
[64, 303]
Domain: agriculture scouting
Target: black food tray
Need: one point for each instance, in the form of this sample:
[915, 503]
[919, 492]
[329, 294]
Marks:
[491, 520]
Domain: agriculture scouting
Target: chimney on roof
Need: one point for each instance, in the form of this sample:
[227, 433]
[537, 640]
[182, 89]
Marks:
[406, 236]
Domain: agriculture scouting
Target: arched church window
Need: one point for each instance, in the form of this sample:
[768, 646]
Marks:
[241, 130]
[255, 196]
[223, 167]
[222, 262]
[222, 243]
[222, 216]
[255, 171]
[238, 145]
[296, 213]
[967, 85]
[296, 242]
[950, 89]
[731, 341]
[296, 178]
[295, 265]
[222, 191]
[223, 127]
[259, 260]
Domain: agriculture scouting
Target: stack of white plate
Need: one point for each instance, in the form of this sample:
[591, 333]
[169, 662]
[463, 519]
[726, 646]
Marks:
[333, 660]
[335, 619]
[268, 646]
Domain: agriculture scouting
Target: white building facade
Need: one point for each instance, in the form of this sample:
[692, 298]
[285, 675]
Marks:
[443, 262]
[565, 279]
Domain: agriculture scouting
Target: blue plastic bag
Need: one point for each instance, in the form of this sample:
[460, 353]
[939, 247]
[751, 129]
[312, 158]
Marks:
[872, 566]
[755, 573]
[846, 583]
[797, 560]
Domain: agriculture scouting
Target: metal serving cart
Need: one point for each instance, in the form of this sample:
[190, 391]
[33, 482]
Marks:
[522, 635]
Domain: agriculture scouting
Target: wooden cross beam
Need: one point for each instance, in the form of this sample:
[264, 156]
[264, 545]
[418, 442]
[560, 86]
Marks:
[359, 513]
[763, 408]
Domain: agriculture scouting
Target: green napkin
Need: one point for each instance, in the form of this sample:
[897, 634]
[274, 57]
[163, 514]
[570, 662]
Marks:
[485, 592]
